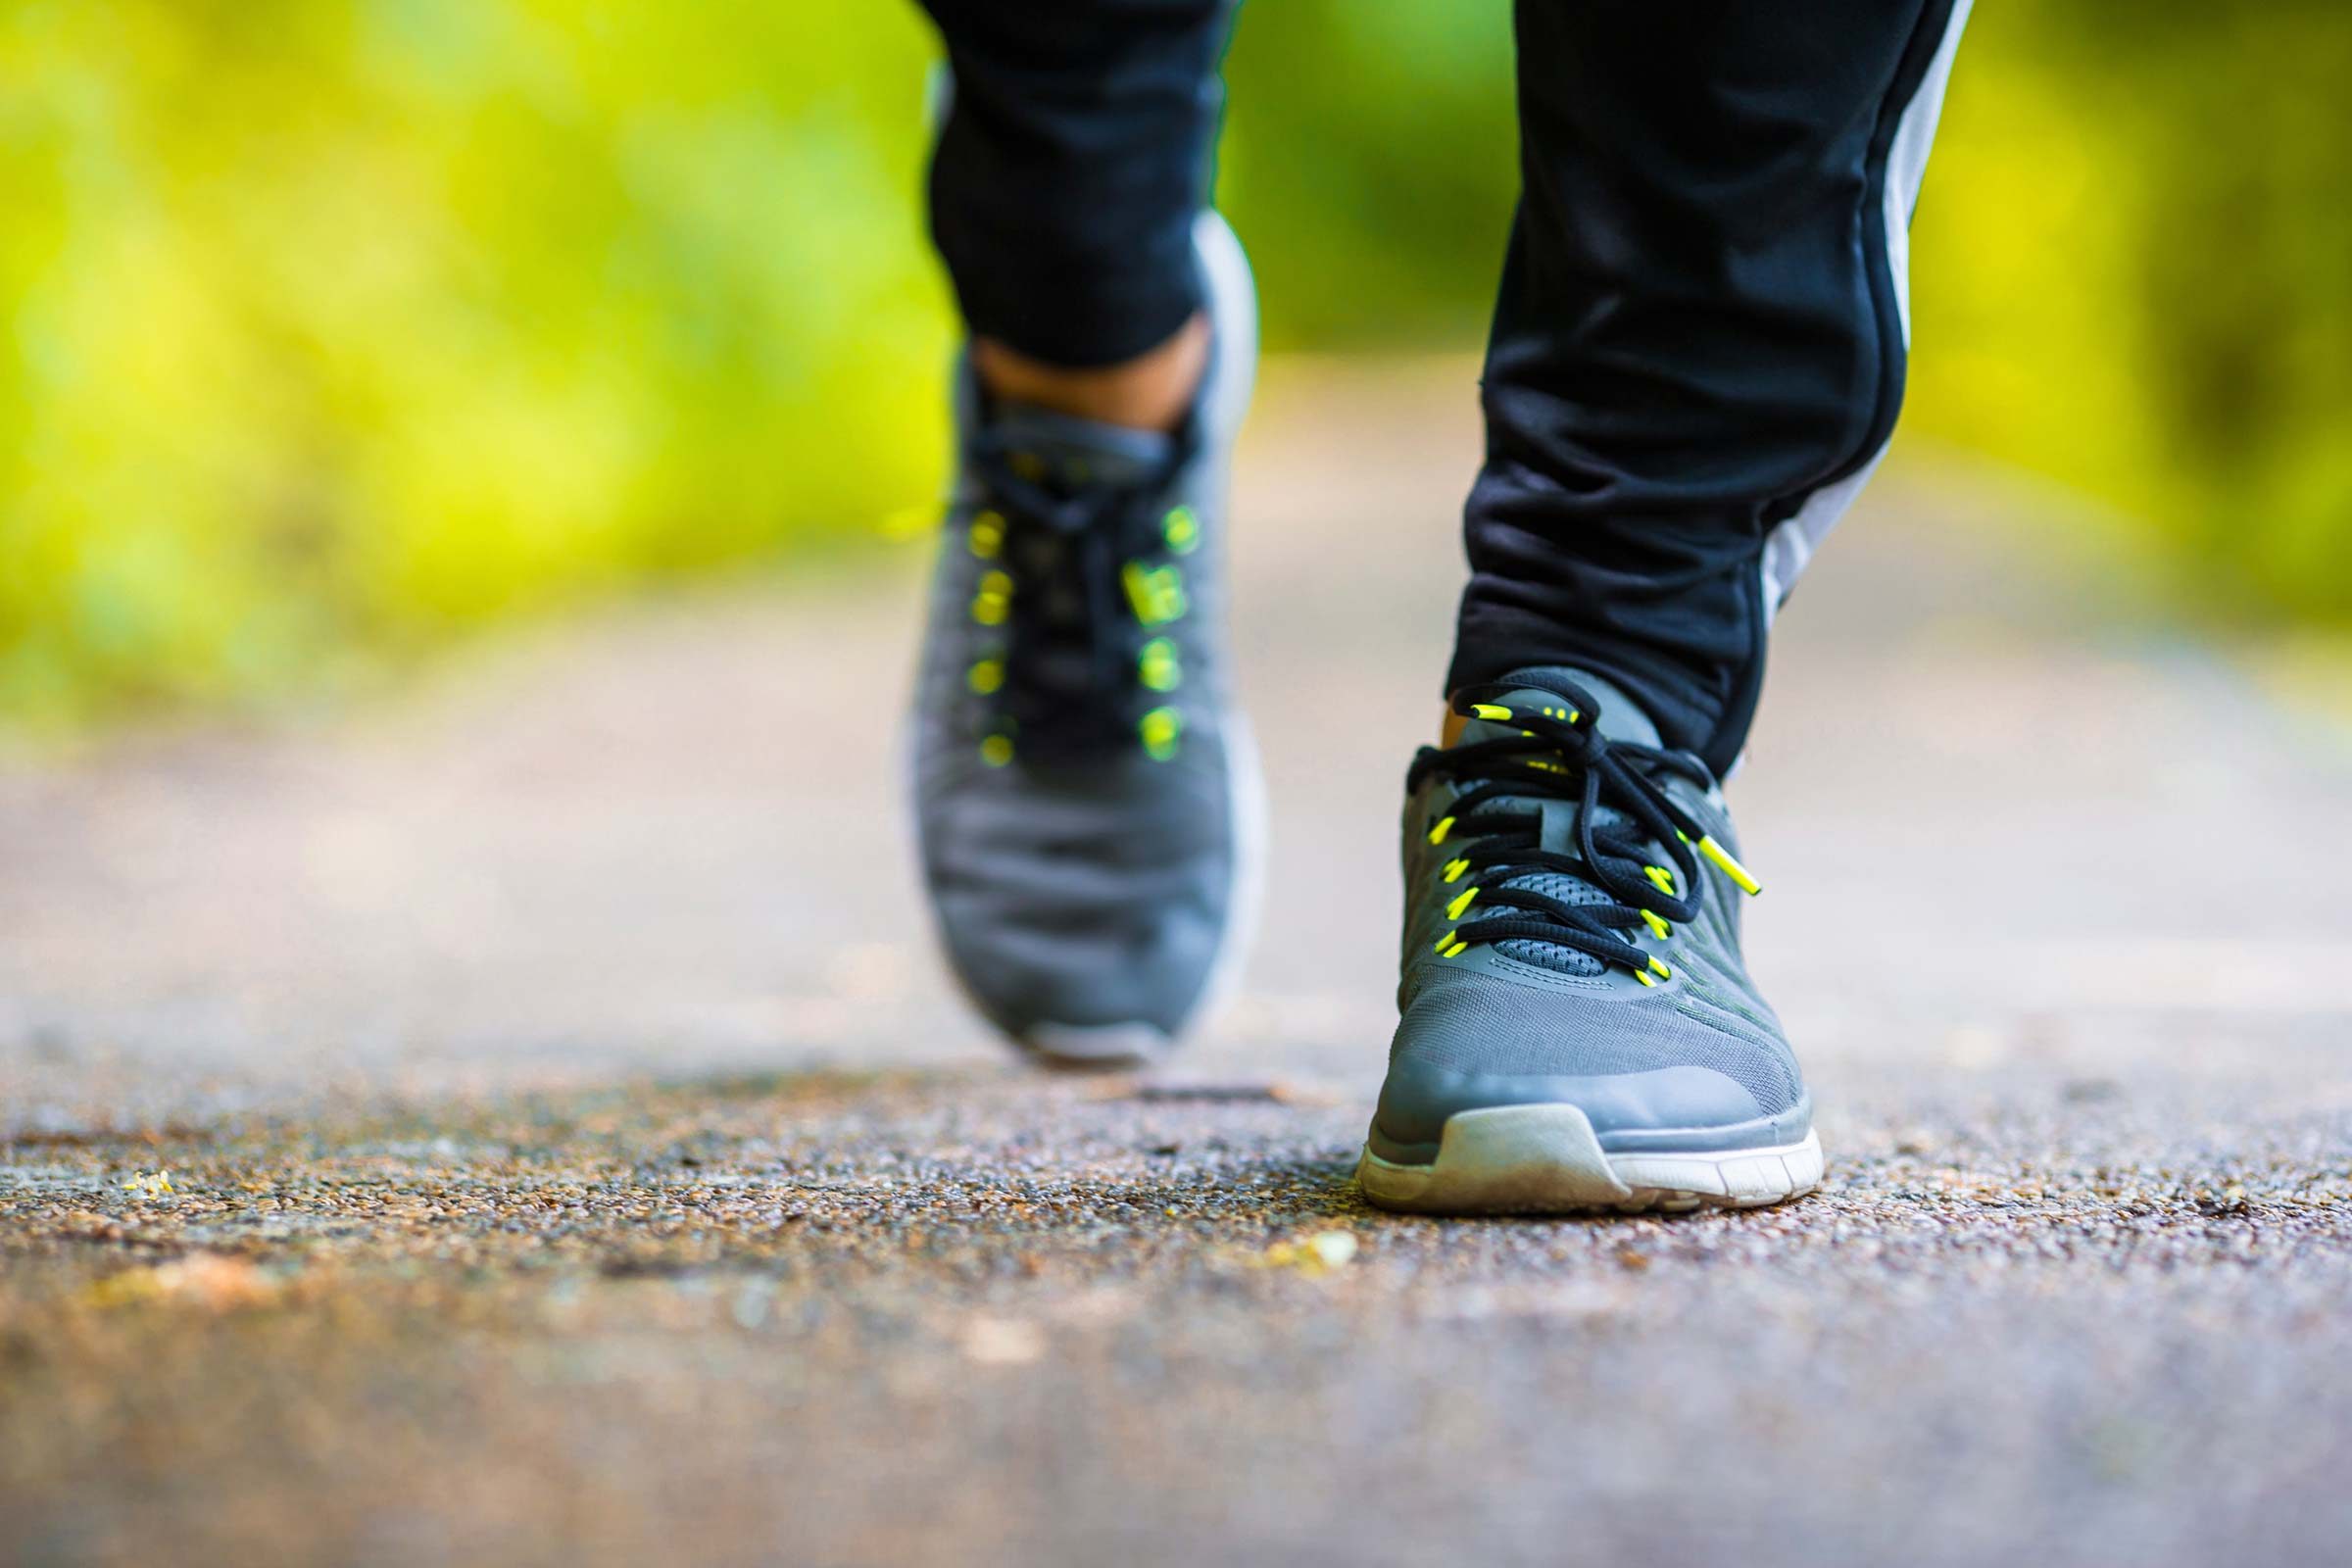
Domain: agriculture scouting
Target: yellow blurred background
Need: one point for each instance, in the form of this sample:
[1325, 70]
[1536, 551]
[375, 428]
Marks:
[339, 330]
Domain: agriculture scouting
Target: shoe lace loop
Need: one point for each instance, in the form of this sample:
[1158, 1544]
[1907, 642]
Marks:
[1082, 589]
[1559, 754]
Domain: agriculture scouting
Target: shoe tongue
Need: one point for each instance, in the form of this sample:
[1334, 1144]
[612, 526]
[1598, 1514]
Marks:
[1617, 716]
[1076, 454]
[1565, 690]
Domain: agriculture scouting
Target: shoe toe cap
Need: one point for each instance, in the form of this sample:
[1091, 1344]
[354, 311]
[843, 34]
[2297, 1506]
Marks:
[1643, 1068]
[1083, 993]
[1081, 925]
[1419, 1096]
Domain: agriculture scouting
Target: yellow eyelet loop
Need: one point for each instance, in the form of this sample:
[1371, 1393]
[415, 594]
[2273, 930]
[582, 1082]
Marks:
[986, 535]
[1182, 530]
[1453, 911]
[1455, 869]
[1154, 593]
[986, 677]
[993, 600]
[1436, 834]
[1160, 730]
[1157, 666]
[997, 749]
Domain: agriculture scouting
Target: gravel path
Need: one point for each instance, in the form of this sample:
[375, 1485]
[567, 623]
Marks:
[522, 1121]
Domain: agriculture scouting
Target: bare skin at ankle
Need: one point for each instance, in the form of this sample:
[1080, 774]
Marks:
[1153, 391]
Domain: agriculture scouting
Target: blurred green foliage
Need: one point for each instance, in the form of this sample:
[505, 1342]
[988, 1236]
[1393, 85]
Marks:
[335, 327]
[338, 327]
[2135, 275]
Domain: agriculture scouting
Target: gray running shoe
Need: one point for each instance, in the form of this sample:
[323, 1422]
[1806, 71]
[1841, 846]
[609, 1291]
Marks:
[1578, 1030]
[1086, 795]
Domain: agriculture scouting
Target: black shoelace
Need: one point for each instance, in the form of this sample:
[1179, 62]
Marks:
[1557, 754]
[1071, 659]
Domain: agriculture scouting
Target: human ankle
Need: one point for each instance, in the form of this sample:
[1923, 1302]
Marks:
[1153, 391]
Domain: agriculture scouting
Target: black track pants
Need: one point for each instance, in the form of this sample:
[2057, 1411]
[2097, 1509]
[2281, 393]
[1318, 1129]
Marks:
[1699, 343]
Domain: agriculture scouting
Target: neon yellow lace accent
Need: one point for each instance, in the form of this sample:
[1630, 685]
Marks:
[994, 599]
[1157, 666]
[1160, 729]
[986, 535]
[1731, 868]
[986, 676]
[1182, 530]
[1154, 593]
[997, 749]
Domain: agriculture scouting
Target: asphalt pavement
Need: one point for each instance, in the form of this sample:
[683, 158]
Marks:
[518, 1117]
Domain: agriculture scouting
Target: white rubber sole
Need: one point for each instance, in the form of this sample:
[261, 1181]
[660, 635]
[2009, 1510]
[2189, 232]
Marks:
[1545, 1159]
[1093, 1048]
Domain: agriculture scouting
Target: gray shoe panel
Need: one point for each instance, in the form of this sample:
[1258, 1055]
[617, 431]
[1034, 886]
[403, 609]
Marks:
[1083, 896]
[1665, 1109]
[1483, 1015]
